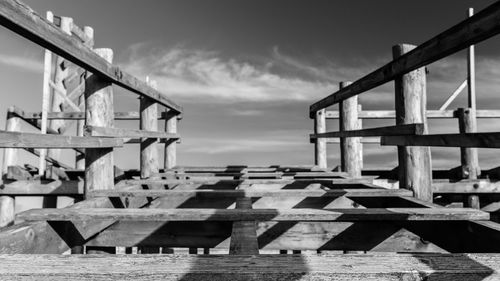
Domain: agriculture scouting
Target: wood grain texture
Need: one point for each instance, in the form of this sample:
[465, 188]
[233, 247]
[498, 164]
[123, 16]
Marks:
[124, 115]
[479, 140]
[148, 109]
[320, 152]
[187, 214]
[351, 149]
[398, 130]
[30, 140]
[94, 131]
[41, 187]
[391, 267]
[431, 114]
[466, 186]
[473, 30]
[170, 159]
[27, 23]
[468, 156]
[244, 233]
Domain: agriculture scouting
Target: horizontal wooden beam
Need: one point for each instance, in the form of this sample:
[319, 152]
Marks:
[431, 114]
[303, 214]
[240, 193]
[472, 30]
[366, 140]
[466, 187]
[480, 140]
[215, 180]
[24, 21]
[129, 115]
[30, 140]
[398, 130]
[93, 131]
[383, 267]
[41, 187]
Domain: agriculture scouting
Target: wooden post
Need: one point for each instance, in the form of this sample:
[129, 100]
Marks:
[99, 112]
[7, 203]
[411, 101]
[468, 156]
[170, 160]
[244, 233]
[80, 158]
[471, 73]
[149, 146]
[350, 159]
[320, 155]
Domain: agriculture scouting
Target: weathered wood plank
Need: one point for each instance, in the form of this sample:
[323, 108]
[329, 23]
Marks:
[431, 114]
[351, 149]
[129, 115]
[41, 187]
[244, 233]
[95, 131]
[214, 180]
[30, 140]
[480, 140]
[241, 193]
[381, 266]
[27, 23]
[398, 130]
[466, 186]
[473, 30]
[304, 214]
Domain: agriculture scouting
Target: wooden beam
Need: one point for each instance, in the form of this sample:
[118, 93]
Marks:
[303, 214]
[25, 22]
[320, 152]
[242, 193]
[473, 30]
[244, 233]
[365, 140]
[30, 140]
[41, 187]
[170, 157]
[95, 131]
[214, 180]
[466, 187]
[398, 130]
[128, 115]
[351, 149]
[431, 114]
[480, 140]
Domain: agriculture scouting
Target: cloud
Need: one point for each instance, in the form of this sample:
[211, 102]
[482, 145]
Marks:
[23, 63]
[218, 146]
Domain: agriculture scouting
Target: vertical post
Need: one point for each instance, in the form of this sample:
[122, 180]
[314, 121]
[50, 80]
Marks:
[99, 112]
[7, 203]
[170, 144]
[471, 71]
[350, 160]
[149, 146]
[320, 156]
[244, 233]
[415, 170]
[468, 156]
[80, 158]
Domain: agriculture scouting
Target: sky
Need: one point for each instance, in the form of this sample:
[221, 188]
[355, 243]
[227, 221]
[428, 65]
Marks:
[247, 71]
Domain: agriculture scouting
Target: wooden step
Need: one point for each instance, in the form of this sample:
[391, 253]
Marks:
[262, 267]
[374, 214]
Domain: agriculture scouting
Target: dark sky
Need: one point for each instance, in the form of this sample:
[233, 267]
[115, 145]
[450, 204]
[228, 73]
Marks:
[247, 71]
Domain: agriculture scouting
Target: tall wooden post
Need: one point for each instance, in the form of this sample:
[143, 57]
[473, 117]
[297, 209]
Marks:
[350, 156]
[80, 158]
[471, 70]
[7, 203]
[170, 160]
[149, 146]
[411, 101]
[99, 171]
[468, 155]
[320, 155]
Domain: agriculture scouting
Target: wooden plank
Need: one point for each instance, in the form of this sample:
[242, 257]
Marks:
[127, 115]
[431, 114]
[480, 140]
[339, 267]
[95, 131]
[365, 140]
[30, 140]
[466, 187]
[398, 130]
[242, 193]
[25, 22]
[303, 214]
[473, 30]
[51, 160]
[41, 187]
[244, 233]
[213, 180]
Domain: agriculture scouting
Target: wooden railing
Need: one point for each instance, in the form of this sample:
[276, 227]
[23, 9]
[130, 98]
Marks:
[410, 134]
[78, 88]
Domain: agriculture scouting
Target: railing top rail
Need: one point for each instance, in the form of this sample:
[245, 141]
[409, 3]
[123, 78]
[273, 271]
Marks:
[21, 19]
[475, 29]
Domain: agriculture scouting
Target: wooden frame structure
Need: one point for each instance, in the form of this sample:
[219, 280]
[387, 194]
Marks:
[334, 225]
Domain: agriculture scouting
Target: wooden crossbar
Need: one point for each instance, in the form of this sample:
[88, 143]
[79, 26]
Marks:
[214, 180]
[30, 140]
[185, 214]
[41, 187]
[129, 115]
[431, 114]
[27, 23]
[93, 131]
[398, 130]
[480, 140]
[472, 30]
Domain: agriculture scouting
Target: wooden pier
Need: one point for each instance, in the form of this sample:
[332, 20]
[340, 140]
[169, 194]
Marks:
[163, 221]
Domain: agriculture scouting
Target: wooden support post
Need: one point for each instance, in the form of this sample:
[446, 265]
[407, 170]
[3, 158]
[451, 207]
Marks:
[320, 155]
[80, 158]
[244, 233]
[7, 203]
[350, 147]
[149, 146]
[471, 70]
[170, 160]
[468, 155]
[411, 101]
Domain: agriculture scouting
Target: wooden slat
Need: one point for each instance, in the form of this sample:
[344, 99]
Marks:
[93, 131]
[398, 130]
[41, 187]
[214, 180]
[375, 214]
[466, 187]
[30, 140]
[241, 192]
[382, 267]
[365, 140]
[473, 30]
[480, 140]
[129, 115]
[431, 114]
[25, 22]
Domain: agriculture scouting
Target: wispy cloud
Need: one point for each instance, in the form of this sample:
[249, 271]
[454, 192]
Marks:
[217, 146]
[24, 63]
